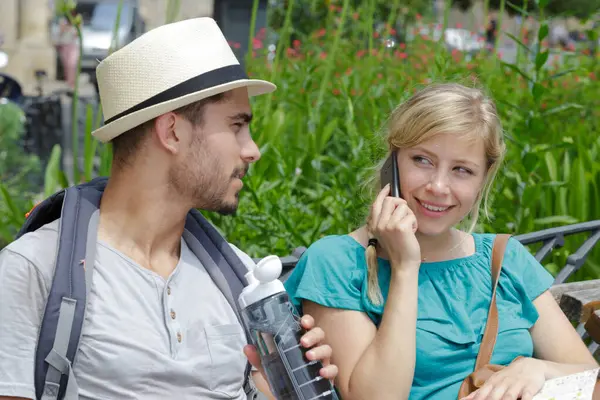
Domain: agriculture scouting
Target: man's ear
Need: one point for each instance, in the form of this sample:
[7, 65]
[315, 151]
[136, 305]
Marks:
[165, 132]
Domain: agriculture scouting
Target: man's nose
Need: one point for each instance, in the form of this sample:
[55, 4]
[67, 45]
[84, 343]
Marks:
[250, 151]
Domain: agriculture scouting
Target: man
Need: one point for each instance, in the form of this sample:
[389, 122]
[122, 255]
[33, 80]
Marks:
[177, 112]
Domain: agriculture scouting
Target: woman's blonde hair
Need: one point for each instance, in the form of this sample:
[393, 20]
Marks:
[442, 108]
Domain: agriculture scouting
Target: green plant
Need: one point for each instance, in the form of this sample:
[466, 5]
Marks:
[319, 138]
[18, 171]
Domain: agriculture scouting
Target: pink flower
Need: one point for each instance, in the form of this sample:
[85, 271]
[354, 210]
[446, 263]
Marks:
[257, 44]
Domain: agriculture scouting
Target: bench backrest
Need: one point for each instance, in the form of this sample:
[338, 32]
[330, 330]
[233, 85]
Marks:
[551, 239]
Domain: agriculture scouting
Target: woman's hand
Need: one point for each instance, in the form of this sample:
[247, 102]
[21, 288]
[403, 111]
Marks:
[522, 379]
[393, 224]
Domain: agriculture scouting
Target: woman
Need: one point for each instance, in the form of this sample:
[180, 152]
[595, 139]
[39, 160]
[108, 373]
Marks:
[405, 315]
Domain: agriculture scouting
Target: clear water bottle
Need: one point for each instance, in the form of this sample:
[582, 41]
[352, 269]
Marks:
[274, 327]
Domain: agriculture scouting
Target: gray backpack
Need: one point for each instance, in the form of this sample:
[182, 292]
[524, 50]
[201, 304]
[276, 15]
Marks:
[78, 209]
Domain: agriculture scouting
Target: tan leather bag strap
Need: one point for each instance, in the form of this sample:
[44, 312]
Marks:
[491, 327]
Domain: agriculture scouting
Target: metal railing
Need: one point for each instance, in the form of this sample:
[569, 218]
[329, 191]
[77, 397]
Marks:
[554, 238]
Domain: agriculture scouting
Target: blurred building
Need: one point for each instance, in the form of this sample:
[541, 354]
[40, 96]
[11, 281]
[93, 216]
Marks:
[25, 29]
[27, 25]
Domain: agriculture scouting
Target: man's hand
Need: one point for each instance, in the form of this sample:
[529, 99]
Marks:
[313, 340]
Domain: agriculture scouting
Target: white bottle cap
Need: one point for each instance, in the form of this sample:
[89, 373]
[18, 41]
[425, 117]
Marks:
[262, 281]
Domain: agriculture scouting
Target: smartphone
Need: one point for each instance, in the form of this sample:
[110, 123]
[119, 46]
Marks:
[389, 174]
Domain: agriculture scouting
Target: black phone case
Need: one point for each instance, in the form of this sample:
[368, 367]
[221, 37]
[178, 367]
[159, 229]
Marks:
[389, 174]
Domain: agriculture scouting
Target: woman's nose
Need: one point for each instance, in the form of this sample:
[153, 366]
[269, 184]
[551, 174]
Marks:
[438, 183]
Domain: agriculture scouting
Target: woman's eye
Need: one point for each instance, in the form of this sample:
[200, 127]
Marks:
[463, 170]
[421, 160]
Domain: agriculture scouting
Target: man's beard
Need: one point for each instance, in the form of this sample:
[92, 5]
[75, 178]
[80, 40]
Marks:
[231, 209]
[200, 180]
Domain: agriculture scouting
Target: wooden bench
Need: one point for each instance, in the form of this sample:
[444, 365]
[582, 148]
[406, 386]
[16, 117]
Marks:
[580, 301]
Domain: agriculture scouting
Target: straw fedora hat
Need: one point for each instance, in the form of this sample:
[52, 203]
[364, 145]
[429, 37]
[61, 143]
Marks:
[166, 68]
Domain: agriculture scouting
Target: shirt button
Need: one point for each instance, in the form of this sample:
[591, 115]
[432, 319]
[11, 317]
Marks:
[168, 290]
[173, 315]
[179, 337]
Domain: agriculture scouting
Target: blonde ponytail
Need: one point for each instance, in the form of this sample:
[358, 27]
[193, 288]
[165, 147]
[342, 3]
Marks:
[373, 289]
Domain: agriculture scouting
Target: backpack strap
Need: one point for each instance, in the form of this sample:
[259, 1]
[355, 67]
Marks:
[65, 309]
[217, 256]
[224, 267]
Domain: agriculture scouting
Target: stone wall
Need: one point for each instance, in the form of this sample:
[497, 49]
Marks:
[24, 25]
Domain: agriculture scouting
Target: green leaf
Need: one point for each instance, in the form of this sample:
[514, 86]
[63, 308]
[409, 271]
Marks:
[89, 144]
[16, 214]
[540, 59]
[6, 234]
[517, 41]
[556, 219]
[551, 166]
[579, 191]
[62, 179]
[562, 107]
[520, 10]
[325, 135]
[537, 91]
[517, 70]
[51, 181]
[562, 73]
[105, 159]
[541, 3]
[543, 32]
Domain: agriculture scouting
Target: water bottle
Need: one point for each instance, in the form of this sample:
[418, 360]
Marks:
[273, 325]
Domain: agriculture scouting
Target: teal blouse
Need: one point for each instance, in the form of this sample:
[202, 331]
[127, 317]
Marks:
[454, 297]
